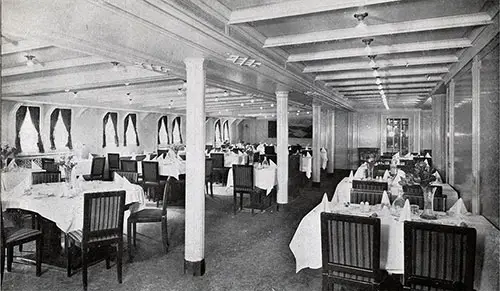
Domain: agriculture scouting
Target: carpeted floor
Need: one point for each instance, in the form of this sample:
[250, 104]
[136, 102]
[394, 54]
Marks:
[242, 252]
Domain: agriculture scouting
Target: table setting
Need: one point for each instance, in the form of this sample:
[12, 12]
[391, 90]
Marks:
[265, 176]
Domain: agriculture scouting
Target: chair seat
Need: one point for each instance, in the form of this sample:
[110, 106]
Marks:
[153, 184]
[146, 215]
[20, 234]
[77, 237]
[90, 177]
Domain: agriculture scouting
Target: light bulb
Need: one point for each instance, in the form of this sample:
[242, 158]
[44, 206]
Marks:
[380, 87]
[242, 104]
[378, 81]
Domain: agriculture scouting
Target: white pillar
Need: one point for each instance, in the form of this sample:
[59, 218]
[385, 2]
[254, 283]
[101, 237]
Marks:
[282, 147]
[331, 141]
[194, 250]
[316, 145]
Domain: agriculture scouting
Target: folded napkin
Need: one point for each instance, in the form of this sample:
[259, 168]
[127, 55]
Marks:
[90, 157]
[458, 208]
[400, 174]
[118, 179]
[438, 177]
[427, 155]
[426, 162]
[351, 176]
[361, 171]
[385, 200]
[324, 158]
[133, 157]
[386, 175]
[12, 165]
[271, 163]
[35, 166]
[396, 156]
[408, 155]
[405, 214]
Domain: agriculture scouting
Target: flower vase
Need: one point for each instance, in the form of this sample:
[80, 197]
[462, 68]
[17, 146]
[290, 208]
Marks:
[428, 212]
[68, 177]
[370, 171]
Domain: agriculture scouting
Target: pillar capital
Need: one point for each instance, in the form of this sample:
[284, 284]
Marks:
[194, 62]
[281, 94]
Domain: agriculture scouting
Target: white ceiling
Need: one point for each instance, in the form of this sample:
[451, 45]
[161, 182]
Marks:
[311, 48]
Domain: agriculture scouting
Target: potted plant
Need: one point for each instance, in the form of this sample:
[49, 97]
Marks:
[422, 175]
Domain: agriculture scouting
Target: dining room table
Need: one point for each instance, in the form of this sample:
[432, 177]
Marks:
[306, 242]
[172, 167]
[264, 177]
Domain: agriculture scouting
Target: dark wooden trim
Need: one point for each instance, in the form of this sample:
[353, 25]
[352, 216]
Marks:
[196, 268]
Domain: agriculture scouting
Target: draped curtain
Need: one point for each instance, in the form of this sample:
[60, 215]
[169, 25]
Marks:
[165, 124]
[177, 122]
[225, 131]
[20, 115]
[217, 133]
[114, 119]
[104, 123]
[66, 118]
[35, 118]
[130, 117]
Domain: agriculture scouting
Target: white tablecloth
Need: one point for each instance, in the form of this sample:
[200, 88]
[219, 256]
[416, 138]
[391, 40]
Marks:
[83, 167]
[63, 205]
[306, 242]
[13, 178]
[305, 165]
[231, 159]
[263, 178]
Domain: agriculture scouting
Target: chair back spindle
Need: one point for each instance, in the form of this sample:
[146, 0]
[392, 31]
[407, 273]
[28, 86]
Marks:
[45, 177]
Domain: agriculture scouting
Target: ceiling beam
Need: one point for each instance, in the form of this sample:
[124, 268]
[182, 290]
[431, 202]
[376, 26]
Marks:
[386, 80]
[384, 73]
[395, 91]
[23, 46]
[392, 86]
[446, 22]
[46, 66]
[382, 64]
[295, 8]
[381, 50]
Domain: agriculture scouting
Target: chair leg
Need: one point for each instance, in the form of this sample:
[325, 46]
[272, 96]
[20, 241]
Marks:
[84, 267]
[129, 240]
[164, 233]
[134, 231]
[10, 258]
[39, 253]
[241, 201]
[234, 201]
[69, 254]
[2, 263]
[119, 261]
[212, 188]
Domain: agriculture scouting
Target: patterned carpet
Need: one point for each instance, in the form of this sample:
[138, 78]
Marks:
[242, 252]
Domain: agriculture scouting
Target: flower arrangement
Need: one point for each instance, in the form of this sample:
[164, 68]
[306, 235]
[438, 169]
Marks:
[67, 162]
[6, 151]
[422, 175]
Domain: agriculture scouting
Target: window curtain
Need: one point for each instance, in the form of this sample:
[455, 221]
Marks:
[217, 133]
[104, 123]
[163, 119]
[114, 119]
[177, 122]
[35, 118]
[20, 115]
[125, 126]
[66, 118]
[53, 121]
[225, 131]
[134, 123]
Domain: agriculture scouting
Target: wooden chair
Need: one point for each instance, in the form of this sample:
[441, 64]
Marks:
[113, 163]
[152, 156]
[128, 166]
[97, 169]
[369, 185]
[149, 215]
[140, 157]
[209, 176]
[243, 184]
[350, 248]
[151, 180]
[218, 166]
[102, 227]
[372, 197]
[438, 257]
[415, 195]
[132, 177]
[11, 237]
[45, 177]
[49, 165]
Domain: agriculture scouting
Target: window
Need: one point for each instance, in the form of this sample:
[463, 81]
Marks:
[176, 130]
[397, 139]
[60, 129]
[163, 137]
[28, 139]
[130, 130]
[218, 134]
[225, 131]
[109, 130]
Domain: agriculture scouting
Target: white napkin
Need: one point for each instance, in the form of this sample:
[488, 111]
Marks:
[90, 157]
[351, 176]
[360, 172]
[458, 208]
[427, 155]
[12, 165]
[308, 155]
[35, 166]
[408, 155]
[396, 156]
[438, 177]
[272, 164]
[118, 179]
[385, 199]
[426, 162]
[325, 203]
[405, 213]
[324, 158]
[386, 175]
[133, 157]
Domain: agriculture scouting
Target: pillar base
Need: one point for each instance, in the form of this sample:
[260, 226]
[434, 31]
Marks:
[195, 268]
[316, 184]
